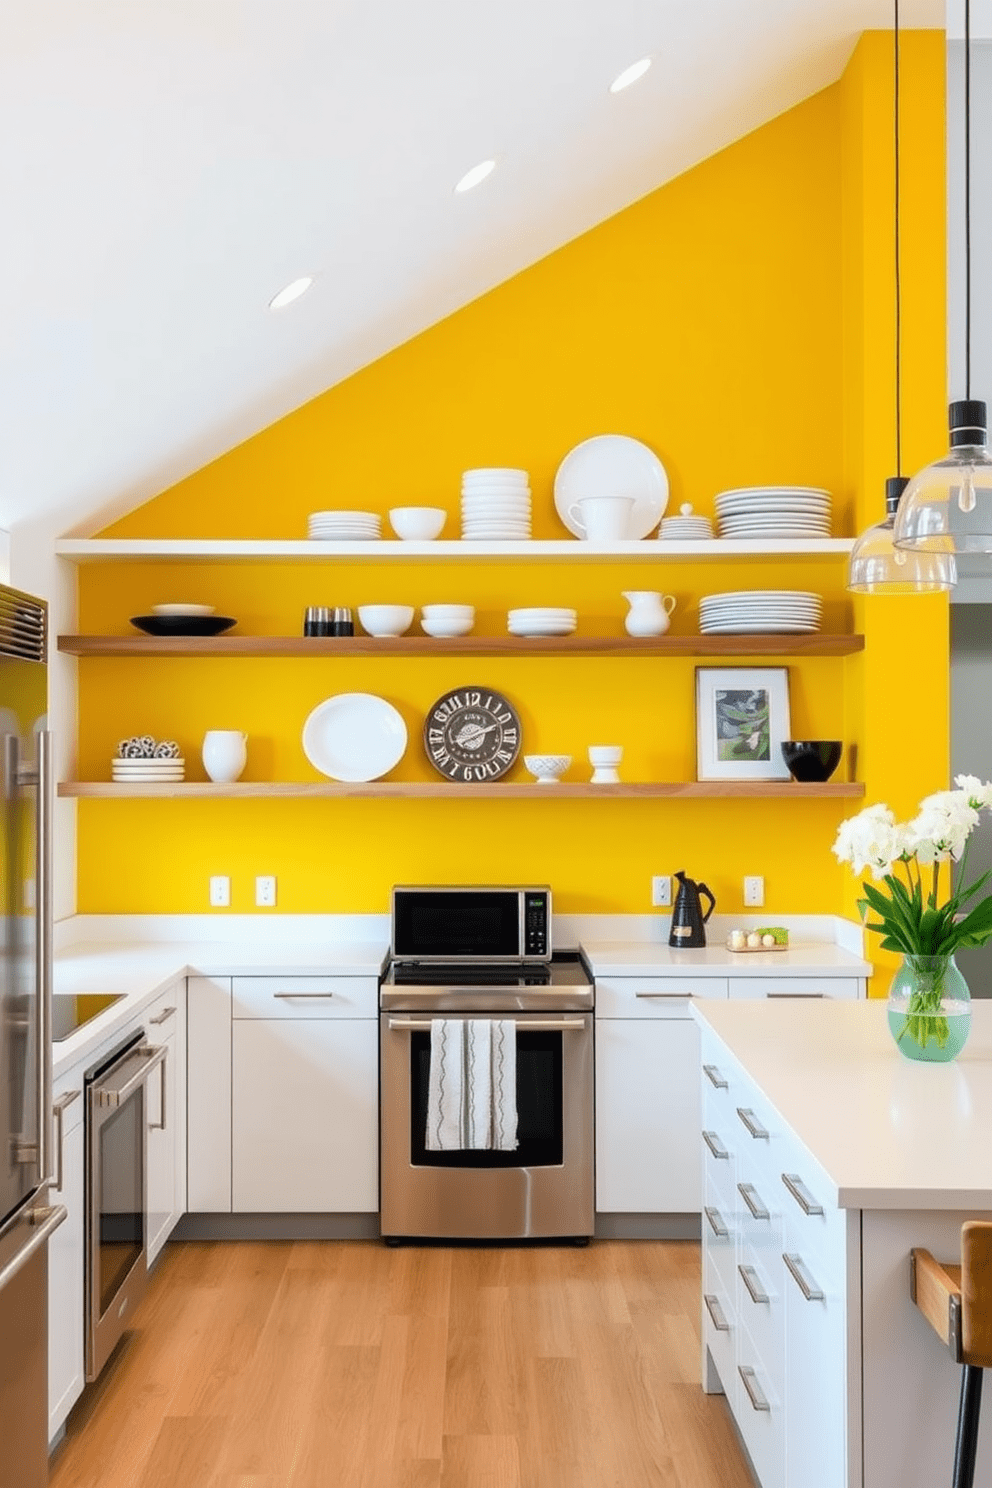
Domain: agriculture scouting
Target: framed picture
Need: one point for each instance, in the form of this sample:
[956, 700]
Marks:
[742, 718]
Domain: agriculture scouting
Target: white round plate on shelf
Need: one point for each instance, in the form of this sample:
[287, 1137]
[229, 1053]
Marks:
[354, 736]
[613, 465]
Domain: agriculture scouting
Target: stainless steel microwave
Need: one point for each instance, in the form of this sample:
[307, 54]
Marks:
[471, 923]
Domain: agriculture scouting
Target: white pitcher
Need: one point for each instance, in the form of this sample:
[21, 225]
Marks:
[648, 613]
[225, 754]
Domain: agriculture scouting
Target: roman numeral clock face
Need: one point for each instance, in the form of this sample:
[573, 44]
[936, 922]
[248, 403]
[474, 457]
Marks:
[472, 735]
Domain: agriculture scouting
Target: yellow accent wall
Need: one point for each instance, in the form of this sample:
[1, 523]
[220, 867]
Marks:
[735, 321]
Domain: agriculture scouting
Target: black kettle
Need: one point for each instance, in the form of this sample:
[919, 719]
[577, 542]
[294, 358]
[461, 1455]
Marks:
[688, 921]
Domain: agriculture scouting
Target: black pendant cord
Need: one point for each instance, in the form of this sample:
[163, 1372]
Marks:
[967, 198]
[898, 255]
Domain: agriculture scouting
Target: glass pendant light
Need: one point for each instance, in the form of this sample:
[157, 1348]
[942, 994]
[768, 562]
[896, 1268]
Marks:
[876, 565]
[947, 507]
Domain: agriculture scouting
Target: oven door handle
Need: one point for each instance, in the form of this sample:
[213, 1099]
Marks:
[540, 1025]
[152, 1058]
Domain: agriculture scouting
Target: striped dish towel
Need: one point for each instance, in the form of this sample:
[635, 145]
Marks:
[472, 1088]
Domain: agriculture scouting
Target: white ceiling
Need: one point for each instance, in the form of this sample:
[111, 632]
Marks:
[167, 165]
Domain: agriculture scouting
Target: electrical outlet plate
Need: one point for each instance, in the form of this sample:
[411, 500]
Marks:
[265, 891]
[754, 891]
[661, 890]
[220, 891]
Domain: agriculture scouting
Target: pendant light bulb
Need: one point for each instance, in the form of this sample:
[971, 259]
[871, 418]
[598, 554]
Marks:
[947, 507]
[877, 566]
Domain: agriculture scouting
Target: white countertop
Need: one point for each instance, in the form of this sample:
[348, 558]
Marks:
[648, 959]
[887, 1132]
[141, 970]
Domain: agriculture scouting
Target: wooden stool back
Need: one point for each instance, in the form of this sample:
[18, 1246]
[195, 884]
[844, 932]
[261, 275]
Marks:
[976, 1294]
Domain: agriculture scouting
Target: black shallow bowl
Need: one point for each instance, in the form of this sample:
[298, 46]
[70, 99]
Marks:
[812, 759]
[183, 625]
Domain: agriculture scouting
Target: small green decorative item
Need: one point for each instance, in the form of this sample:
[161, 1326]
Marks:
[929, 1008]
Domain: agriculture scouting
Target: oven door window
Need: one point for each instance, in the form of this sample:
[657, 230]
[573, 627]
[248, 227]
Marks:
[539, 1108]
[122, 1187]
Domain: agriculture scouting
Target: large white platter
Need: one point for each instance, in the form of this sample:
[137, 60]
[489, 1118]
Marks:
[613, 465]
[354, 736]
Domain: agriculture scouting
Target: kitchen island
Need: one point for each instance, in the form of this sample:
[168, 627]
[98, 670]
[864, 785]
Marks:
[827, 1156]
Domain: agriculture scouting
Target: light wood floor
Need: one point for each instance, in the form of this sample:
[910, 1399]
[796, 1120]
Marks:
[350, 1365]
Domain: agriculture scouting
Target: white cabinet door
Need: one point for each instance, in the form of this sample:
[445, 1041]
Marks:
[66, 1376]
[305, 1123]
[165, 1107]
[208, 1104]
[816, 1371]
[647, 1116]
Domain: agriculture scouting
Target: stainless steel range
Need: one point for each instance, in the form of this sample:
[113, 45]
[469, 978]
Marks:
[478, 957]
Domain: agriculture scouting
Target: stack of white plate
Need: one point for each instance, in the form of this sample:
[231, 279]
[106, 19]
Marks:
[541, 620]
[143, 771]
[760, 611]
[344, 526]
[774, 511]
[495, 505]
[687, 526]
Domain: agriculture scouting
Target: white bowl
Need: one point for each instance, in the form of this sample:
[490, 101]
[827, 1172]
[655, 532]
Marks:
[547, 767]
[417, 523]
[447, 628]
[448, 611]
[182, 609]
[385, 619]
[605, 754]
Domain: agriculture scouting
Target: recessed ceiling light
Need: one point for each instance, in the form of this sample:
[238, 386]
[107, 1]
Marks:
[630, 75]
[475, 175]
[291, 292]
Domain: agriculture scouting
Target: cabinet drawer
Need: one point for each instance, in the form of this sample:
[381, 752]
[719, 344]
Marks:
[761, 1305]
[161, 1017]
[819, 1236]
[760, 1413]
[67, 1093]
[654, 997]
[789, 986]
[307, 997]
[720, 1239]
[720, 1327]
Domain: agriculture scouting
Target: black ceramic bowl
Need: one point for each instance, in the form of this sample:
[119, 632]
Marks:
[183, 625]
[812, 759]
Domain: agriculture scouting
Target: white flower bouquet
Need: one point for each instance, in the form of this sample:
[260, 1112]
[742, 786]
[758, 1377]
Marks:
[910, 915]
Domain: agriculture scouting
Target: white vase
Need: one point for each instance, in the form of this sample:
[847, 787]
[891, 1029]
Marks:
[648, 613]
[225, 754]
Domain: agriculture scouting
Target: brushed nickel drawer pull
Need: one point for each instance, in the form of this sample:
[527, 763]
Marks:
[752, 1123]
[802, 1278]
[716, 1223]
[307, 996]
[801, 1194]
[750, 1279]
[714, 1076]
[163, 1016]
[59, 1109]
[660, 996]
[795, 994]
[715, 1145]
[752, 1199]
[716, 1314]
[749, 1381]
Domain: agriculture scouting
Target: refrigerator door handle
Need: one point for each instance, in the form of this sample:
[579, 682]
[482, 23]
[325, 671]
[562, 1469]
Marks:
[43, 907]
[46, 1221]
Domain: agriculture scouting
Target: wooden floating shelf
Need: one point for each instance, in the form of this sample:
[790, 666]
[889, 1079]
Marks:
[338, 646]
[435, 789]
[275, 550]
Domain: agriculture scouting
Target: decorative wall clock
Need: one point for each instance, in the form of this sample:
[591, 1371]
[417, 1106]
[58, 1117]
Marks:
[472, 734]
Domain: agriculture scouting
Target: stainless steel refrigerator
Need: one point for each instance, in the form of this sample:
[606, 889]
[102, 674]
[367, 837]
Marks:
[26, 1218]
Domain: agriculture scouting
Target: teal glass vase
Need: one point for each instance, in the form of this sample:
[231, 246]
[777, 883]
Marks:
[929, 1009]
